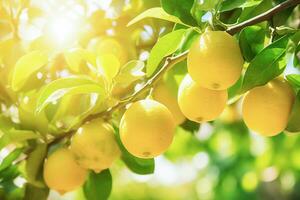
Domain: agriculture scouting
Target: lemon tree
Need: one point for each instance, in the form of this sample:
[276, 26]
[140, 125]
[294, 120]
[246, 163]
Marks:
[89, 88]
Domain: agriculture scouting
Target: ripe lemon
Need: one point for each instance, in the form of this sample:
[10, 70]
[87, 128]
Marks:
[95, 146]
[162, 94]
[62, 173]
[200, 104]
[215, 60]
[266, 109]
[147, 128]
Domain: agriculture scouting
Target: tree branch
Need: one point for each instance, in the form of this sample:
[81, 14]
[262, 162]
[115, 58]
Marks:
[262, 17]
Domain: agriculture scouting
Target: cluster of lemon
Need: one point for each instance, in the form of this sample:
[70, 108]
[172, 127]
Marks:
[214, 64]
[147, 127]
[93, 147]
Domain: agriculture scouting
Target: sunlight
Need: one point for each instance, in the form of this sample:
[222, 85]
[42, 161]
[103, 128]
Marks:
[63, 30]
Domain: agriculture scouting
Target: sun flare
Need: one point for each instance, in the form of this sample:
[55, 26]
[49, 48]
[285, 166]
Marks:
[62, 30]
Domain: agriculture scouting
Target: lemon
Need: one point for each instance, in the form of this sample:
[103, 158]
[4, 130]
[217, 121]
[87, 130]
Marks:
[215, 60]
[266, 109]
[147, 128]
[95, 146]
[62, 173]
[200, 104]
[162, 94]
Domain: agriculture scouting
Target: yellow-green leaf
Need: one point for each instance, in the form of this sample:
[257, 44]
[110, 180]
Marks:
[76, 57]
[158, 13]
[26, 66]
[165, 46]
[67, 86]
[108, 65]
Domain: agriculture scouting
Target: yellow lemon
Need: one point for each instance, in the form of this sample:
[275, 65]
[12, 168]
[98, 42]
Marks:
[266, 109]
[62, 173]
[200, 104]
[147, 128]
[215, 60]
[95, 146]
[162, 94]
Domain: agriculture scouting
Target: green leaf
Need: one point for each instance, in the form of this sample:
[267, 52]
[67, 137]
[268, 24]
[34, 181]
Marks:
[67, 116]
[233, 4]
[26, 66]
[6, 124]
[35, 193]
[293, 49]
[282, 17]
[251, 41]
[206, 5]
[13, 136]
[108, 66]
[8, 189]
[190, 36]
[135, 164]
[67, 86]
[9, 173]
[8, 160]
[296, 60]
[34, 165]
[180, 9]
[267, 65]
[158, 13]
[75, 58]
[190, 126]
[174, 76]
[130, 72]
[255, 9]
[233, 91]
[165, 46]
[293, 124]
[294, 79]
[201, 8]
[98, 186]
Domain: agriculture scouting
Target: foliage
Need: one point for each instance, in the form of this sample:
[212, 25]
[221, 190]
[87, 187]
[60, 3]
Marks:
[67, 63]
